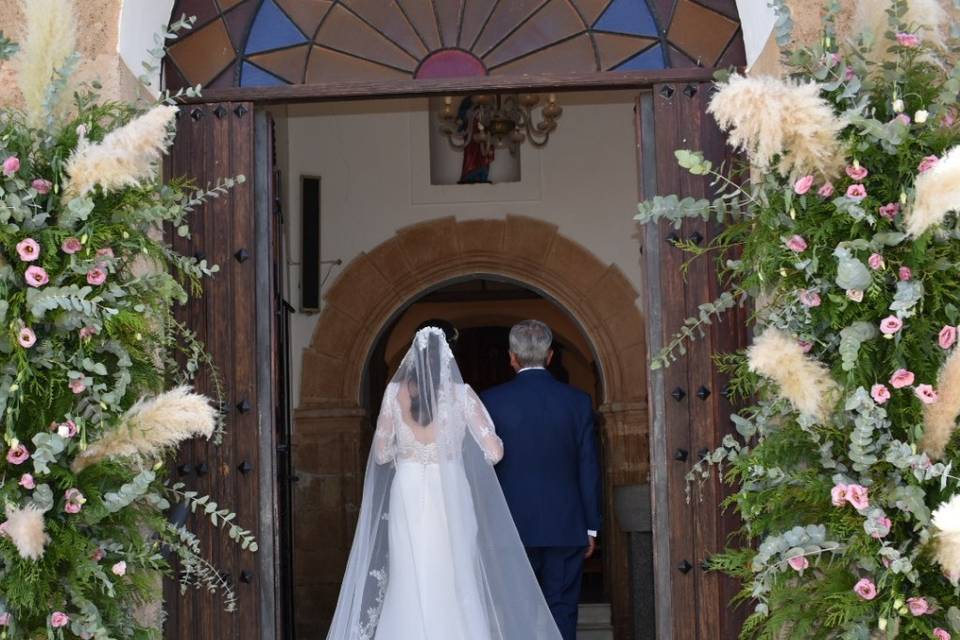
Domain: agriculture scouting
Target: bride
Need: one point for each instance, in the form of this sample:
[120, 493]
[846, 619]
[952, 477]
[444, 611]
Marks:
[436, 555]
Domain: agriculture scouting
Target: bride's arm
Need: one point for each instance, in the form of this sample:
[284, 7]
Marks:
[385, 438]
[482, 429]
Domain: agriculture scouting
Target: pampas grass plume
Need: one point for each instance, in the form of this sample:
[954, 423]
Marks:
[803, 381]
[26, 530]
[937, 193]
[770, 118]
[49, 39]
[125, 157]
[947, 521]
[940, 418]
[152, 427]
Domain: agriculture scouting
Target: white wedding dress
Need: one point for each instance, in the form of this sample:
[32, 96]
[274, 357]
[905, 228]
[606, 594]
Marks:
[436, 555]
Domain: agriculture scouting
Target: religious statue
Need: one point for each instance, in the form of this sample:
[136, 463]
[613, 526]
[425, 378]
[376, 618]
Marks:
[477, 155]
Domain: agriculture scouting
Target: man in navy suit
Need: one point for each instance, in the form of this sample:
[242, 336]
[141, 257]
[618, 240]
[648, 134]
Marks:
[550, 473]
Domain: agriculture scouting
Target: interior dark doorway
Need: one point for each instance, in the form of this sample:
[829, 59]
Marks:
[483, 310]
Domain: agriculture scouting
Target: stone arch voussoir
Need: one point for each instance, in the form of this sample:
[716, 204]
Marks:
[376, 285]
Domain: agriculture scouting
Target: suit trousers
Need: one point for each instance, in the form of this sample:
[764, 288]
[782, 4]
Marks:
[559, 571]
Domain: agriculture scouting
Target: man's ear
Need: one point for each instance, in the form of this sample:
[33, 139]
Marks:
[514, 362]
[549, 358]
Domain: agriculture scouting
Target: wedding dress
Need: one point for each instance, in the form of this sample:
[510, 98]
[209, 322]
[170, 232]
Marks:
[436, 555]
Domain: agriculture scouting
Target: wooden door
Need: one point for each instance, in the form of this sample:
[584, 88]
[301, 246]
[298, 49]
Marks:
[235, 318]
[688, 409]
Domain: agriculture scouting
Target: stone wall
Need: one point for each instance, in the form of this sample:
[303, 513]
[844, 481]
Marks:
[808, 21]
[98, 23]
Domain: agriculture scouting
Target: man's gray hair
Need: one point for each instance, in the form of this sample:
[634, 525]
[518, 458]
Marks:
[530, 341]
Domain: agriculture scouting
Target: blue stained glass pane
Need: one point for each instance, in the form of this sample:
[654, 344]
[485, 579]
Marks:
[652, 58]
[272, 29]
[628, 16]
[254, 76]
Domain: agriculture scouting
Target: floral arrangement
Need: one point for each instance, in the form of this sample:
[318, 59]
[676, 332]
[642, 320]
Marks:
[94, 367]
[842, 231]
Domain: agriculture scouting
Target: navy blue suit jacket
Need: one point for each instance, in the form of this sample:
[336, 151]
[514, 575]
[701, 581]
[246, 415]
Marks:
[550, 472]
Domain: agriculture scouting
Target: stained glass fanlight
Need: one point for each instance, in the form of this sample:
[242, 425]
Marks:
[276, 42]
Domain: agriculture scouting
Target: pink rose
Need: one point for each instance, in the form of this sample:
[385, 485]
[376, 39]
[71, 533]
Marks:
[75, 501]
[875, 261]
[918, 605]
[41, 186]
[71, 245]
[796, 244]
[26, 337]
[856, 172]
[28, 250]
[809, 298]
[858, 496]
[865, 589]
[890, 325]
[825, 191]
[105, 252]
[119, 569]
[909, 40]
[59, 619]
[77, 386]
[96, 276]
[855, 294]
[36, 276]
[927, 163]
[805, 345]
[18, 454]
[67, 430]
[27, 482]
[905, 273]
[901, 378]
[879, 393]
[948, 335]
[890, 210]
[856, 192]
[904, 118]
[838, 495]
[883, 524]
[5, 619]
[798, 563]
[98, 555]
[950, 117]
[926, 393]
[941, 634]
[87, 332]
[10, 166]
[803, 185]
[850, 74]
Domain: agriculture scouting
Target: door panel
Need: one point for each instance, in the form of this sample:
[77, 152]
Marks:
[216, 141]
[689, 411]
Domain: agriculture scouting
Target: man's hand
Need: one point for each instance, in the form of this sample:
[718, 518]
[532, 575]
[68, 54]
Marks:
[591, 546]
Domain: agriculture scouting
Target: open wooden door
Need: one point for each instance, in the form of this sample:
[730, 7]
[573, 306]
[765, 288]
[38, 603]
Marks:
[689, 413]
[236, 318]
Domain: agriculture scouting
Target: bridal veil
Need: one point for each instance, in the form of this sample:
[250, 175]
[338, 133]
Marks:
[436, 555]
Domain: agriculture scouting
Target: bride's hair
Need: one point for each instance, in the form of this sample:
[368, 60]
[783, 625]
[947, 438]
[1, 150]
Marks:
[423, 382]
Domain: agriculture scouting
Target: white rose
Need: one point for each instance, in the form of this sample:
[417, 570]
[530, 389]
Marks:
[855, 294]
[63, 431]
[898, 105]
[920, 116]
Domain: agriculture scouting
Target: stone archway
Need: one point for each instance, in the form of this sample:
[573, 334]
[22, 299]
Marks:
[331, 424]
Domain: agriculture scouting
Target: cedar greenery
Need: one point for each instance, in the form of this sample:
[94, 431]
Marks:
[805, 552]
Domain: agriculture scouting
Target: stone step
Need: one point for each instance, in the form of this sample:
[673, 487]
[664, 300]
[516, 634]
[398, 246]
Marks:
[594, 622]
[595, 614]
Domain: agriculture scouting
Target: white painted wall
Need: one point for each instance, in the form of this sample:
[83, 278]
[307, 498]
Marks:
[373, 159]
[139, 21]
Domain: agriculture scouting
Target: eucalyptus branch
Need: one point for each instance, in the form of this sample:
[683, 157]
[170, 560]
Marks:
[692, 329]
[220, 518]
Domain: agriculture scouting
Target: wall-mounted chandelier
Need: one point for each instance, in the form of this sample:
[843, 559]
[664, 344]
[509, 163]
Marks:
[498, 121]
